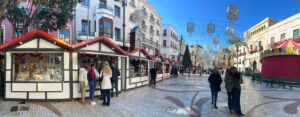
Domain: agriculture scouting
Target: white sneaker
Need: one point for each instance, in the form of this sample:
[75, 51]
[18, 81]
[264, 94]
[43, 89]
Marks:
[93, 103]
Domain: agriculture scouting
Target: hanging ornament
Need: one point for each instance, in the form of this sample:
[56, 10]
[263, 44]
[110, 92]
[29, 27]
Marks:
[233, 13]
[229, 31]
[190, 28]
[211, 28]
[216, 41]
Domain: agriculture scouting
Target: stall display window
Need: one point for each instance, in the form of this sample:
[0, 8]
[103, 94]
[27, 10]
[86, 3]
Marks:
[138, 67]
[37, 66]
[97, 60]
[167, 68]
[159, 67]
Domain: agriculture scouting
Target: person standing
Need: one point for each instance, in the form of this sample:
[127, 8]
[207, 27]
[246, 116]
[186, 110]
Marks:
[114, 80]
[181, 71]
[106, 72]
[153, 72]
[215, 80]
[233, 81]
[83, 82]
[93, 75]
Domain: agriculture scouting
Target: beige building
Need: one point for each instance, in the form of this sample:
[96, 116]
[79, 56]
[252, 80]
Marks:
[196, 55]
[257, 40]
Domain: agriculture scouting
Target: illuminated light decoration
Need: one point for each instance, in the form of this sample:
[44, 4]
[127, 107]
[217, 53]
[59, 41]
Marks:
[233, 13]
[191, 28]
[137, 16]
[20, 42]
[229, 31]
[211, 28]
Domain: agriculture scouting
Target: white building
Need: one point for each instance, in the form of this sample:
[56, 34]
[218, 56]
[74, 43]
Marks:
[170, 42]
[286, 29]
[95, 18]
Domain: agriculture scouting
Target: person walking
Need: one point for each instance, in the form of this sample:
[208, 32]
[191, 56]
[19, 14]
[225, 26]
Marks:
[93, 75]
[176, 72]
[233, 81]
[83, 81]
[215, 80]
[172, 72]
[181, 71]
[153, 72]
[106, 73]
[114, 80]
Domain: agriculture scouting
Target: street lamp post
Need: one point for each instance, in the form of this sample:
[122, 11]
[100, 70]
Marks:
[124, 4]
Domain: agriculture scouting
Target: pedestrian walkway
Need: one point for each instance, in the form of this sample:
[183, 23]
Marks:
[180, 97]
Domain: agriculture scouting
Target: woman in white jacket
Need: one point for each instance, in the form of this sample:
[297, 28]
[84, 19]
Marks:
[106, 72]
[83, 82]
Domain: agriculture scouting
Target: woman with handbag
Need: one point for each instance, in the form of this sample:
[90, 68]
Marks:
[215, 80]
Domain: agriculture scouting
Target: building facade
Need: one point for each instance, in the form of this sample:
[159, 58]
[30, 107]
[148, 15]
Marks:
[170, 42]
[286, 29]
[94, 18]
[196, 55]
[256, 39]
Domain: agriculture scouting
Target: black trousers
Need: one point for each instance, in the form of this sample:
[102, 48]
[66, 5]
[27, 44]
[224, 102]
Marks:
[114, 85]
[236, 103]
[230, 99]
[152, 81]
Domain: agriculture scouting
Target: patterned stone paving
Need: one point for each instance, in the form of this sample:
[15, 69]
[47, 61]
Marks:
[186, 97]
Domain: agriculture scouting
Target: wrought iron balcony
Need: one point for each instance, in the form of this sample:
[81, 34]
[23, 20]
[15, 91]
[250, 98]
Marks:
[151, 42]
[86, 34]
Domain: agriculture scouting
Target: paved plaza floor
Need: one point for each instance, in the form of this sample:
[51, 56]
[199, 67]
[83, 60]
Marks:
[184, 97]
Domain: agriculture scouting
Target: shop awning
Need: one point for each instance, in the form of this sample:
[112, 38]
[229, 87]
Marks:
[33, 35]
[98, 53]
[102, 39]
[289, 43]
[140, 50]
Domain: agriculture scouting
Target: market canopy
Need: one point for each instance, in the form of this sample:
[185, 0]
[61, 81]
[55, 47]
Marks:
[289, 43]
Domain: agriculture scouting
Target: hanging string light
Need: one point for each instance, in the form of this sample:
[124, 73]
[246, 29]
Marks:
[229, 31]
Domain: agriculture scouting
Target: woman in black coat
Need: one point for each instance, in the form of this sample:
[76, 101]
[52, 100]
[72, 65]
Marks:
[215, 81]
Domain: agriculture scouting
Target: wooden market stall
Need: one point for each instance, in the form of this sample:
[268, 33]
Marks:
[37, 67]
[96, 51]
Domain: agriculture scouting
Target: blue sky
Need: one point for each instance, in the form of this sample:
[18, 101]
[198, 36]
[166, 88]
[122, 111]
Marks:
[202, 12]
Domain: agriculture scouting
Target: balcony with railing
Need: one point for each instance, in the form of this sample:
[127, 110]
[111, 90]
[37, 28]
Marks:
[253, 50]
[150, 42]
[152, 20]
[144, 13]
[104, 8]
[144, 27]
[83, 35]
[151, 31]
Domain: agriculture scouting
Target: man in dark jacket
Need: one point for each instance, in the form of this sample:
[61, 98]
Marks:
[114, 80]
[153, 72]
[215, 81]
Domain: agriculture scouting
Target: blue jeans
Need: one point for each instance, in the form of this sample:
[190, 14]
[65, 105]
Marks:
[92, 87]
[236, 102]
[106, 96]
[214, 96]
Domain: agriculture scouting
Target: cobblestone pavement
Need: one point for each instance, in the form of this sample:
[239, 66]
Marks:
[185, 97]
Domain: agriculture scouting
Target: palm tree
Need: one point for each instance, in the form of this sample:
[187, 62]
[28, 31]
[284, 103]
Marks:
[237, 42]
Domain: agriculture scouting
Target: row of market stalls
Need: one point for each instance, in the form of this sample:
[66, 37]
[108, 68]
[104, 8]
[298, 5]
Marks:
[282, 62]
[39, 66]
